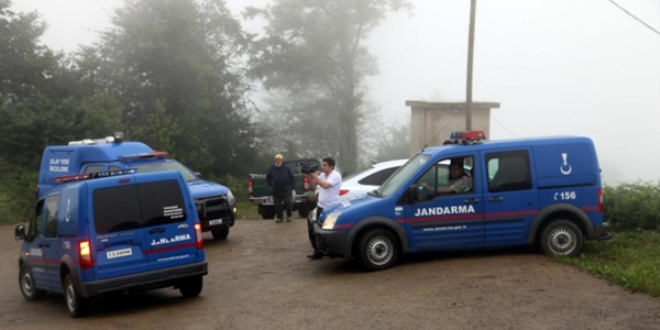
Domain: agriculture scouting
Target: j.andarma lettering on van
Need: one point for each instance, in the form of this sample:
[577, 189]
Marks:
[447, 210]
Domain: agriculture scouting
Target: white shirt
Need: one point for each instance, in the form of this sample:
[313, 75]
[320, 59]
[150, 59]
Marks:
[329, 196]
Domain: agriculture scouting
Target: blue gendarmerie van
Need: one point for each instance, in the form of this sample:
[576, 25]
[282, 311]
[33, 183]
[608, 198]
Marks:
[544, 191]
[215, 203]
[111, 232]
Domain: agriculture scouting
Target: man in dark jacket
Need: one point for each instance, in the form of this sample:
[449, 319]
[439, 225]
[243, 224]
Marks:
[281, 183]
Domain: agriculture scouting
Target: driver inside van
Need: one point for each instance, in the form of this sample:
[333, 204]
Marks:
[460, 181]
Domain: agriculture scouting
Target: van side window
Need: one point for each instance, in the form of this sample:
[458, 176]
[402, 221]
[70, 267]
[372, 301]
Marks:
[51, 215]
[114, 168]
[93, 168]
[37, 223]
[508, 171]
[438, 179]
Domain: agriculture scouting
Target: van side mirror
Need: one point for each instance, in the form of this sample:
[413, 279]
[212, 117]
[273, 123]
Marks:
[411, 193]
[19, 232]
[199, 175]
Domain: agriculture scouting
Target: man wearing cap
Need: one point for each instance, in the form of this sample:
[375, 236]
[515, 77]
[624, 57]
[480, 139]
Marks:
[281, 183]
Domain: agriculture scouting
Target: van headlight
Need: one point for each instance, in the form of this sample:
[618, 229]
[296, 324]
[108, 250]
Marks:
[230, 197]
[330, 220]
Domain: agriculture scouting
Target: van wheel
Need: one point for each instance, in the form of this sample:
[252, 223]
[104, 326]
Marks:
[75, 303]
[29, 291]
[220, 233]
[191, 286]
[561, 238]
[378, 249]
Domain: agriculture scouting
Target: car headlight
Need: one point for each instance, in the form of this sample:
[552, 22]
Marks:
[230, 196]
[330, 220]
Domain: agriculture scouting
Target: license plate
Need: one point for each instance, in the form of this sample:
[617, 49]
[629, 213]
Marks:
[215, 222]
[119, 253]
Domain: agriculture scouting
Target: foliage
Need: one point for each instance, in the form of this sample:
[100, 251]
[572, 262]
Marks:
[314, 52]
[633, 206]
[173, 65]
[630, 259]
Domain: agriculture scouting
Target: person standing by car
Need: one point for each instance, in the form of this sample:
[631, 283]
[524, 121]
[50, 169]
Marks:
[281, 183]
[330, 183]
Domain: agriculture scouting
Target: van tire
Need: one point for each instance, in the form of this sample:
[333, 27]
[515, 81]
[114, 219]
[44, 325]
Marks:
[220, 233]
[561, 237]
[75, 303]
[191, 287]
[26, 283]
[378, 249]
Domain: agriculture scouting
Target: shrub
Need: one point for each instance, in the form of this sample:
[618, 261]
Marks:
[633, 206]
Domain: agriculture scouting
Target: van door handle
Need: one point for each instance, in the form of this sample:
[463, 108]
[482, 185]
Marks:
[496, 199]
[156, 230]
[471, 201]
[44, 244]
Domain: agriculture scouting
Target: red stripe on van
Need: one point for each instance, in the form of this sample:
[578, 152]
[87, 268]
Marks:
[170, 248]
[591, 208]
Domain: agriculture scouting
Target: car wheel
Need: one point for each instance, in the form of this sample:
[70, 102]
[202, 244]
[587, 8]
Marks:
[29, 291]
[220, 233]
[75, 303]
[561, 238]
[378, 249]
[191, 287]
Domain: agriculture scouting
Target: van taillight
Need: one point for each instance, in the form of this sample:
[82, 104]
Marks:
[198, 235]
[306, 181]
[601, 204]
[86, 261]
[250, 187]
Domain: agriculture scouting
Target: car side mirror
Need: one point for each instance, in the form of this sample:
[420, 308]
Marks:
[19, 232]
[412, 192]
[199, 175]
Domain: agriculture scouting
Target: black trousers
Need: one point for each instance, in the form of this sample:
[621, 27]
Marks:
[282, 202]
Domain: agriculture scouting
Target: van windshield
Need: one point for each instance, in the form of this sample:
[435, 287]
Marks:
[169, 165]
[130, 207]
[401, 175]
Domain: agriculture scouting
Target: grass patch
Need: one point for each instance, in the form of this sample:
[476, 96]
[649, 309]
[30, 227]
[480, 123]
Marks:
[246, 210]
[630, 259]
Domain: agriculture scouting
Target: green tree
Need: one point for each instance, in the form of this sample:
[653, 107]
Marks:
[174, 64]
[318, 48]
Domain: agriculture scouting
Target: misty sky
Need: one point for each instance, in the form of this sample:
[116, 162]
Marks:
[557, 67]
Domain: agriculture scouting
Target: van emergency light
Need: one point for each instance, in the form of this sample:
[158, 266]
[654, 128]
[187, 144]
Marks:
[95, 175]
[118, 137]
[144, 155]
[466, 137]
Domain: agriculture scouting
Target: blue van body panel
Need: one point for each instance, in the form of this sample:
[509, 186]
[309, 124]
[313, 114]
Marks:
[554, 177]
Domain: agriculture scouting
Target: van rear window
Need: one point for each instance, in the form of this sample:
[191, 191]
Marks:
[137, 206]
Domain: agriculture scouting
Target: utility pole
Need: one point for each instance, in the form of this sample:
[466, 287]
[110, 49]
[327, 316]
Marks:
[468, 97]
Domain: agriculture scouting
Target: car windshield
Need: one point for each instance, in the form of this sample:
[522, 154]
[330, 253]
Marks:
[169, 165]
[401, 175]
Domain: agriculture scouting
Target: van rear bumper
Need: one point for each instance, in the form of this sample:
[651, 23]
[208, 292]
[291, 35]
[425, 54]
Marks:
[145, 281]
[602, 232]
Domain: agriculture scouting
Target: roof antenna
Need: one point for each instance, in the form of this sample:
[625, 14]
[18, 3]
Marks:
[427, 143]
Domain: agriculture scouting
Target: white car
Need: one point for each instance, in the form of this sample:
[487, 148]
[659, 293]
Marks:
[360, 183]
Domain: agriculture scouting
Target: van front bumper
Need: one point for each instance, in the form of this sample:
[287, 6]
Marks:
[328, 242]
[155, 279]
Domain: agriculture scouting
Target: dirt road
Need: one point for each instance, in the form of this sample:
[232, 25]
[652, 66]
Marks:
[260, 279]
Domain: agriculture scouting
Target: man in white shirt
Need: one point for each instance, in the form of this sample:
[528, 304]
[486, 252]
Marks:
[330, 183]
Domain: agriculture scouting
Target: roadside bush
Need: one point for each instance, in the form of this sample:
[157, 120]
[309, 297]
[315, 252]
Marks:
[17, 196]
[633, 206]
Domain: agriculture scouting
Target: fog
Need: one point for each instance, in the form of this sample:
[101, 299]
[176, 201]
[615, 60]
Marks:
[557, 67]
